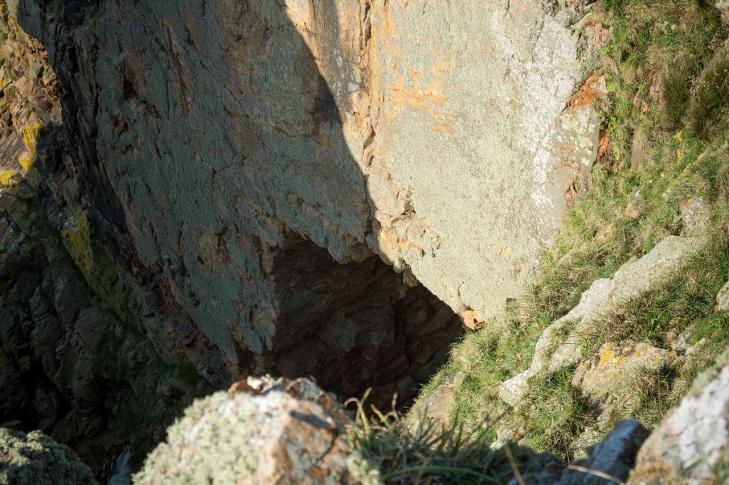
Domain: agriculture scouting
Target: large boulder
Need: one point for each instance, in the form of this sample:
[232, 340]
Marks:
[261, 431]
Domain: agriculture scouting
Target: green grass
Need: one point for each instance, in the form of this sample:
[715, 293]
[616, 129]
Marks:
[666, 70]
[433, 454]
[553, 414]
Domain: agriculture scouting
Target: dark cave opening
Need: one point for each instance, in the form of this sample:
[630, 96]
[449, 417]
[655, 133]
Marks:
[356, 326]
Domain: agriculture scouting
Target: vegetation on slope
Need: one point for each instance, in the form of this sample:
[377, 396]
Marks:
[666, 123]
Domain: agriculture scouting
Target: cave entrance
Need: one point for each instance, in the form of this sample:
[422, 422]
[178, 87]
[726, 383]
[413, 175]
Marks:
[356, 326]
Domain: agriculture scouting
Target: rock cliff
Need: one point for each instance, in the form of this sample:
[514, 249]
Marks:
[195, 192]
[223, 140]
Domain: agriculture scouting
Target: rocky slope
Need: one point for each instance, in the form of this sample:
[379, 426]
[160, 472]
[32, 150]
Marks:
[197, 192]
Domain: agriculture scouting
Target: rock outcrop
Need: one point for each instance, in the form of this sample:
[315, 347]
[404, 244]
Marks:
[261, 431]
[692, 443]
[246, 167]
[194, 191]
[559, 345]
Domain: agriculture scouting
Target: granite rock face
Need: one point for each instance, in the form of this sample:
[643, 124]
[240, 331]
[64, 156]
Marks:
[256, 161]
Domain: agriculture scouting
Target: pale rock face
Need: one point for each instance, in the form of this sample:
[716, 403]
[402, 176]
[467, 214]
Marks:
[452, 85]
[722, 299]
[232, 138]
[692, 442]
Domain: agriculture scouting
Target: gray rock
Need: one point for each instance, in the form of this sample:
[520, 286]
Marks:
[694, 215]
[603, 380]
[263, 431]
[613, 457]
[121, 472]
[722, 299]
[273, 130]
[692, 443]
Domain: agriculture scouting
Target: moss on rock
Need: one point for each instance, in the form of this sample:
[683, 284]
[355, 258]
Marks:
[273, 432]
[35, 459]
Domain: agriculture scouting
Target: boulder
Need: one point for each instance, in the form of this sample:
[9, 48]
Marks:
[609, 381]
[261, 431]
[694, 215]
[611, 459]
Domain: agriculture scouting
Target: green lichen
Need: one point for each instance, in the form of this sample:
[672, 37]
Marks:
[206, 445]
[35, 459]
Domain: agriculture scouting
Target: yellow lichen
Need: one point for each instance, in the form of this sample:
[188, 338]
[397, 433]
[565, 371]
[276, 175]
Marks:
[6, 176]
[29, 133]
[607, 355]
[76, 236]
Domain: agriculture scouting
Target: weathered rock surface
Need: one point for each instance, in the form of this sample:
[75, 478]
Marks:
[692, 443]
[559, 344]
[610, 379]
[722, 299]
[35, 459]
[219, 143]
[612, 459]
[266, 431]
